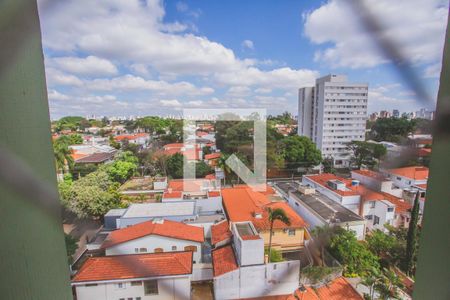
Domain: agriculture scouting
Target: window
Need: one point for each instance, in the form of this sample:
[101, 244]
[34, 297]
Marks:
[136, 250]
[130, 298]
[174, 248]
[291, 231]
[376, 220]
[372, 204]
[138, 298]
[158, 250]
[136, 283]
[390, 209]
[151, 287]
[369, 217]
[121, 298]
[91, 284]
[190, 248]
[120, 285]
[142, 249]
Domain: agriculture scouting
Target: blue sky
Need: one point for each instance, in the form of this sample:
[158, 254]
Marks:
[139, 57]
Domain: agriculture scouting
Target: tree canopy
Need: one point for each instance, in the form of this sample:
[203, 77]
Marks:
[300, 151]
[392, 129]
[365, 153]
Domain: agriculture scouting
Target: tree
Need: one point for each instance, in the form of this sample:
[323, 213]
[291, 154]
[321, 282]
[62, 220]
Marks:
[388, 285]
[113, 143]
[365, 153]
[300, 151]
[354, 255]
[391, 129]
[322, 236]
[92, 195]
[380, 243]
[411, 240]
[70, 123]
[63, 155]
[277, 214]
[328, 165]
[123, 167]
[202, 169]
[371, 279]
[175, 165]
[71, 246]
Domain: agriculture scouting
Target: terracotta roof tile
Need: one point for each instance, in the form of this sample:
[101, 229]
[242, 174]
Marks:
[242, 204]
[135, 266]
[401, 206]
[168, 228]
[223, 260]
[322, 179]
[338, 289]
[370, 173]
[213, 155]
[415, 172]
[220, 232]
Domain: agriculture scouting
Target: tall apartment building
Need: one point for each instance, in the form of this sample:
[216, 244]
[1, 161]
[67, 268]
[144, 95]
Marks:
[332, 114]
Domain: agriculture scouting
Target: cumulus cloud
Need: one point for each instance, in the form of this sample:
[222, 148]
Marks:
[417, 26]
[90, 65]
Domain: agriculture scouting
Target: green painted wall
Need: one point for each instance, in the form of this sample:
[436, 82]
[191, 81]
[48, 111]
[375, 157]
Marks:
[32, 252]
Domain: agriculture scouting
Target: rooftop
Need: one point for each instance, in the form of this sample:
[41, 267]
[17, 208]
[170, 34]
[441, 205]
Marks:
[220, 232]
[415, 172]
[164, 228]
[191, 185]
[153, 210]
[244, 204]
[96, 158]
[134, 266]
[326, 208]
[324, 178]
[223, 260]
[370, 173]
[213, 155]
[338, 289]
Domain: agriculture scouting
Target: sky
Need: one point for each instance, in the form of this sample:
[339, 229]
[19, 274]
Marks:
[150, 57]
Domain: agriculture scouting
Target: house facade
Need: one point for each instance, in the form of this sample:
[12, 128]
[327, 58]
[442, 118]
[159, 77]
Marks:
[157, 276]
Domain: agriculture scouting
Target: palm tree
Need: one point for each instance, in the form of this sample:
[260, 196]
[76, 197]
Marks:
[221, 163]
[276, 214]
[371, 280]
[62, 156]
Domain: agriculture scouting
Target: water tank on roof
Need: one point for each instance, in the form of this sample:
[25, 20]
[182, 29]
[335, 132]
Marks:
[355, 182]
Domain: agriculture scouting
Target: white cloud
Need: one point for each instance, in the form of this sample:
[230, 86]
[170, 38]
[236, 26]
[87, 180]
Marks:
[263, 91]
[182, 6]
[135, 83]
[170, 103]
[238, 91]
[417, 26]
[90, 65]
[56, 77]
[54, 95]
[248, 44]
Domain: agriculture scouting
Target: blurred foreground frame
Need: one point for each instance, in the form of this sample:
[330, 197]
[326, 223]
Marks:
[33, 260]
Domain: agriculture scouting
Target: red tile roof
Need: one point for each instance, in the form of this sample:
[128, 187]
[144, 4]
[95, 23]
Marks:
[95, 158]
[130, 136]
[176, 194]
[423, 152]
[416, 172]
[220, 232]
[338, 289]
[214, 194]
[168, 228]
[210, 176]
[322, 179]
[213, 155]
[190, 153]
[223, 260]
[241, 204]
[401, 206]
[135, 266]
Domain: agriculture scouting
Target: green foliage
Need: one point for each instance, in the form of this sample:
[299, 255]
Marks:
[175, 165]
[328, 165]
[123, 167]
[92, 195]
[113, 143]
[392, 129]
[354, 255]
[317, 274]
[300, 151]
[71, 246]
[202, 169]
[274, 215]
[285, 118]
[411, 239]
[275, 255]
[380, 243]
[365, 153]
[70, 123]
[80, 170]
[62, 154]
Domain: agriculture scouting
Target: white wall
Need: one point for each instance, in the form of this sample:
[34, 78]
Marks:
[381, 211]
[280, 278]
[154, 241]
[202, 272]
[168, 288]
[126, 222]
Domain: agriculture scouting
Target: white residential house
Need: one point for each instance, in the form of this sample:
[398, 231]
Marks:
[154, 237]
[240, 270]
[156, 276]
